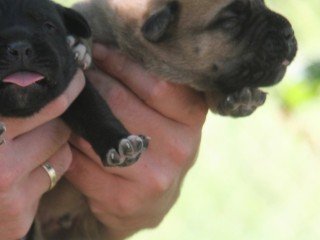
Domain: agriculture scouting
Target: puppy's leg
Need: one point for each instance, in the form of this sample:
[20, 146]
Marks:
[90, 117]
[237, 104]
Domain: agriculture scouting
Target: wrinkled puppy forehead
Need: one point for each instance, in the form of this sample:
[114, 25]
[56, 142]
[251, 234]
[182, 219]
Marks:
[208, 9]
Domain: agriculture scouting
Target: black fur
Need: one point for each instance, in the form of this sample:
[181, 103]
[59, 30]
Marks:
[267, 39]
[33, 39]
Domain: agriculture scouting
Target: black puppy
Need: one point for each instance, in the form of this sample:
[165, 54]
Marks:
[37, 65]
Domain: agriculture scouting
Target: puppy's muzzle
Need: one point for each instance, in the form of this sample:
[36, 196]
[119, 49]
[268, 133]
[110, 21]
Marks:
[280, 46]
[20, 51]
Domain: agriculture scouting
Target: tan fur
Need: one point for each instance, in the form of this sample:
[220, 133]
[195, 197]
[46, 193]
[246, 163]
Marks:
[186, 59]
[178, 52]
[64, 215]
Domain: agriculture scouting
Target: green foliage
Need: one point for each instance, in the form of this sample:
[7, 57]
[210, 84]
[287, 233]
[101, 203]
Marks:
[300, 92]
[295, 95]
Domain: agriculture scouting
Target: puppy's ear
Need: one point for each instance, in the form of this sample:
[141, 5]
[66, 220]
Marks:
[159, 24]
[75, 23]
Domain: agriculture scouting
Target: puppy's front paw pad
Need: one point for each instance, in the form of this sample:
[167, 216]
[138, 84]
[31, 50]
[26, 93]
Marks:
[242, 103]
[129, 151]
[2, 131]
[81, 52]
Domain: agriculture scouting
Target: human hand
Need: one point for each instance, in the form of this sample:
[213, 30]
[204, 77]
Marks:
[29, 143]
[128, 199]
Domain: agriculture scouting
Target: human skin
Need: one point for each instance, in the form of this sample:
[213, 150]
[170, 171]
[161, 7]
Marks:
[29, 143]
[128, 199]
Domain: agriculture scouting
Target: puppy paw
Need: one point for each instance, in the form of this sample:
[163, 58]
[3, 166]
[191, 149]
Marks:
[129, 151]
[242, 103]
[2, 131]
[81, 49]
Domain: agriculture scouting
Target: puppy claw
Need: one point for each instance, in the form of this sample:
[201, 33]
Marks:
[260, 97]
[2, 131]
[230, 103]
[245, 96]
[85, 66]
[113, 159]
[242, 103]
[82, 52]
[139, 142]
[129, 151]
[71, 40]
[126, 147]
[76, 56]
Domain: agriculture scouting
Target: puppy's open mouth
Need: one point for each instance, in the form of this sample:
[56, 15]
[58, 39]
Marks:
[23, 79]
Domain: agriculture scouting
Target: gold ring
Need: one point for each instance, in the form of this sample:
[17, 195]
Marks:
[51, 173]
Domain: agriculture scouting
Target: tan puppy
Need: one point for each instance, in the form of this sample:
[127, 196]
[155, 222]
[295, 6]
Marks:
[224, 48]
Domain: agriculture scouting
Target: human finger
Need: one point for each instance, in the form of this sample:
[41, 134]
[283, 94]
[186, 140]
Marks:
[29, 150]
[59, 162]
[175, 101]
[123, 102]
[19, 202]
[132, 112]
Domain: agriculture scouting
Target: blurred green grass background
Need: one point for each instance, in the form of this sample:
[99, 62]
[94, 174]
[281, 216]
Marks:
[258, 178]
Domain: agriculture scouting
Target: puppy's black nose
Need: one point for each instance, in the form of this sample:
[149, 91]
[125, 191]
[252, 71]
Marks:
[20, 50]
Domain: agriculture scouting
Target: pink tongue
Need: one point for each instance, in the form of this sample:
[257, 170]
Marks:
[23, 79]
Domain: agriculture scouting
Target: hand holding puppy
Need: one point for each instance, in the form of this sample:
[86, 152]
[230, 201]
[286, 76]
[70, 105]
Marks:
[29, 143]
[128, 199]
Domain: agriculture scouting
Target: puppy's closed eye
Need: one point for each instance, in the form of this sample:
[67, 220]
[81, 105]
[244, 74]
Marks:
[49, 27]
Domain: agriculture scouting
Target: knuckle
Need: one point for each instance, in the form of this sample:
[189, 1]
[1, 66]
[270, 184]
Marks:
[181, 150]
[122, 208]
[158, 92]
[117, 96]
[127, 208]
[161, 183]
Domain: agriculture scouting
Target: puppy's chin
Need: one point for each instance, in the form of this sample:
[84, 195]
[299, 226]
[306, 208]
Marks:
[22, 98]
[275, 78]
[21, 102]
